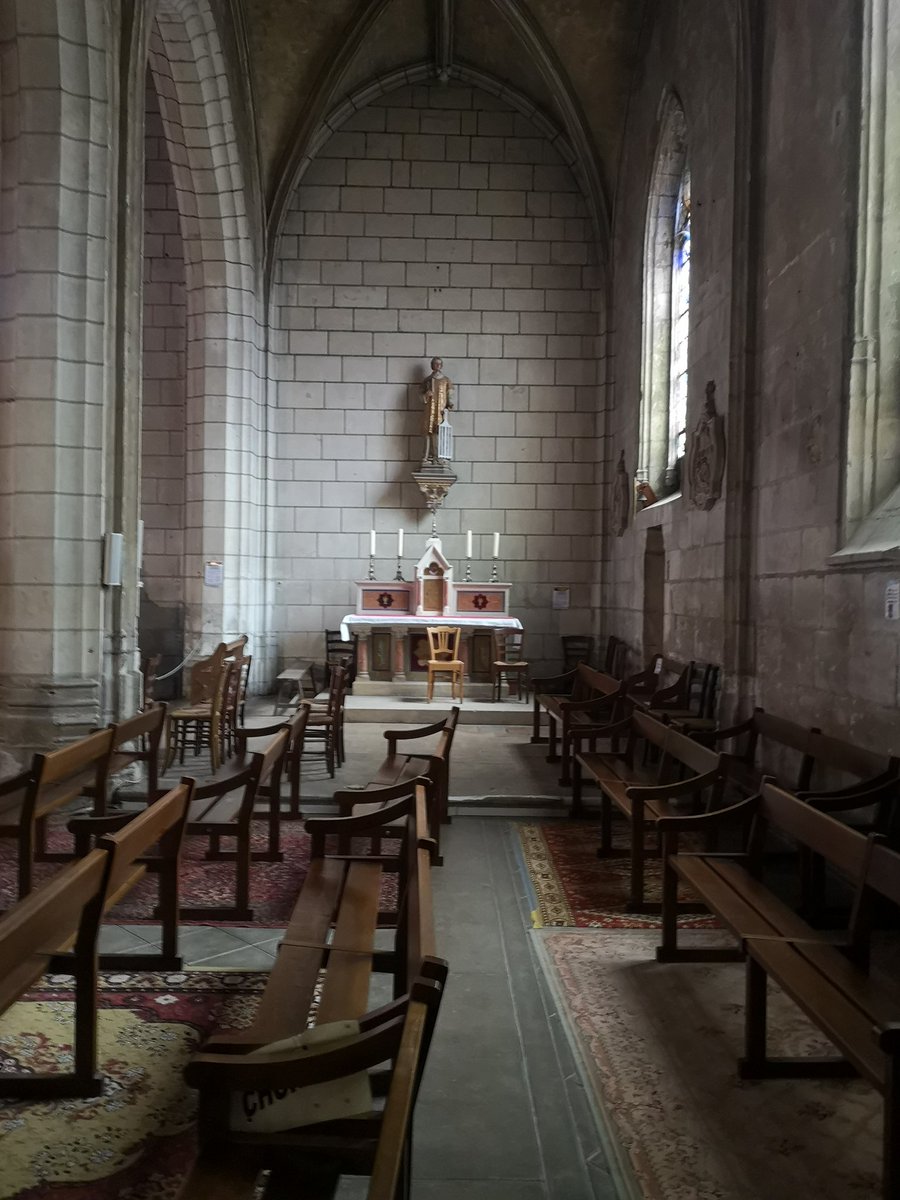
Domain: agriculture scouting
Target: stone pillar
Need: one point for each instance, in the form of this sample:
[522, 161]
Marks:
[398, 654]
[58, 153]
[362, 663]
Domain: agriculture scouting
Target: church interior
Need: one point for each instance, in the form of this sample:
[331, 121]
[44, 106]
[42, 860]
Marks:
[381, 377]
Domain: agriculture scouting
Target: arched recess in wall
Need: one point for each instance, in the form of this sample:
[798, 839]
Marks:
[403, 241]
[224, 398]
[871, 516]
[423, 73]
[665, 313]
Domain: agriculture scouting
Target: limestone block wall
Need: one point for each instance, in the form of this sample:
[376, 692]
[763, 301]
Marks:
[819, 646]
[685, 35]
[824, 647]
[436, 221]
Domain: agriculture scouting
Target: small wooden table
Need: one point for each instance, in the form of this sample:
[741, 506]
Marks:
[289, 681]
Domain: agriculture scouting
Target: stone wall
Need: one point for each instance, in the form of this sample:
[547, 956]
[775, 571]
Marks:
[436, 221]
[819, 646]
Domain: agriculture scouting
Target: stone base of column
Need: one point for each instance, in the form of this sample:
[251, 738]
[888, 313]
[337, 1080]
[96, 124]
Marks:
[41, 713]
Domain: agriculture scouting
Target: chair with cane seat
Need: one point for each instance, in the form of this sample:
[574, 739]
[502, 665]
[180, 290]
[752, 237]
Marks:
[443, 644]
[508, 661]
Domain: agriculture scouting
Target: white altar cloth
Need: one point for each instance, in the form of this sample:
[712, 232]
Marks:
[377, 621]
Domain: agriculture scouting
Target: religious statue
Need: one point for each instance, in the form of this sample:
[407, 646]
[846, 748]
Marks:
[621, 498]
[706, 454]
[436, 389]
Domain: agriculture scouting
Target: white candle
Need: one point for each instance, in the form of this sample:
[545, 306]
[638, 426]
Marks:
[469, 544]
[496, 545]
[399, 543]
[371, 543]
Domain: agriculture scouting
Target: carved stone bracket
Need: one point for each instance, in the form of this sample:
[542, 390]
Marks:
[434, 484]
[706, 455]
[621, 498]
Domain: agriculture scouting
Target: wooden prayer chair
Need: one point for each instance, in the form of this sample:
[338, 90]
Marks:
[576, 649]
[443, 644]
[326, 722]
[339, 653]
[223, 807]
[199, 724]
[52, 781]
[509, 662]
[233, 703]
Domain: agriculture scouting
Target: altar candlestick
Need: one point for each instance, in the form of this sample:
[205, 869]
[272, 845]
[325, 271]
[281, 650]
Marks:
[469, 544]
[399, 543]
[371, 543]
[496, 545]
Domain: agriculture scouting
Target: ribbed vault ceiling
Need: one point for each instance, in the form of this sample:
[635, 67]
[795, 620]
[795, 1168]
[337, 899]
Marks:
[294, 42]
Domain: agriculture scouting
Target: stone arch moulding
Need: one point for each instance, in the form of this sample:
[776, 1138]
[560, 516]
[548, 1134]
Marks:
[669, 162]
[404, 77]
[870, 520]
[225, 406]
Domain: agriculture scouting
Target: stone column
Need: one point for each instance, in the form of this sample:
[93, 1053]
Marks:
[398, 654]
[362, 663]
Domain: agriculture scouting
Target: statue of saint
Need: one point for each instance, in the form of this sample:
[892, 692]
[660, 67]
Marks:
[706, 454]
[436, 391]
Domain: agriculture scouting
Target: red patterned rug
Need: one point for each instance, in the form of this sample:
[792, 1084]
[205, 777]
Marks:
[274, 887]
[136, 1140]
[572, 886]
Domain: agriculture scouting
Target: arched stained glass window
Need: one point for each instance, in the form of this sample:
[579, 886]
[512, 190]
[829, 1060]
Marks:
[666, 315]
[681, 306]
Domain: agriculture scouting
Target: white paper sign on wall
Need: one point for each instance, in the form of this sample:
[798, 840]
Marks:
[892, 601]
[560, 597]
[213, 574]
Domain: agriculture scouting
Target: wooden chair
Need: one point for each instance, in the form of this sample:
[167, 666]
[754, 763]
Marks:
[576, 649]
[198, 724]
[339, 653]
[443, 644]
[233, 703]
[326, 722]
[52, 781]
[509, 662]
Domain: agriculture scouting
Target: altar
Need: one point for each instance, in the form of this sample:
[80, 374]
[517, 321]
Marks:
[391, 620]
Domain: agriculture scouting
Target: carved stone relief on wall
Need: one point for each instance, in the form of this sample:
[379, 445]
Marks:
[621, 498]
[706, 454]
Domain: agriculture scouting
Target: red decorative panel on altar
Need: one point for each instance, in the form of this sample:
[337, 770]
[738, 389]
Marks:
[478, 600]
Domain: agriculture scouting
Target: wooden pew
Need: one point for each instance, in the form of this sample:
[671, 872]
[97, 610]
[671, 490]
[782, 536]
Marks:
[55, 928]
[167, 818]
[269, 802]
[137, 739]
[342, 894]
[768, 743]
[68, 907]
[52, 781]
[828, 981]
[645, 795]
[223, 807]
[591, 697]
[399, 768]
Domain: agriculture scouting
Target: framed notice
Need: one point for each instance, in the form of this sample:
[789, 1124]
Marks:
[560, 597]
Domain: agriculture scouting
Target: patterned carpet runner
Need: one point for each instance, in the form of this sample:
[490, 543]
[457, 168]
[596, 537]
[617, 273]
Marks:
[137, 1140]
[572, 886]
[660, 1044]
